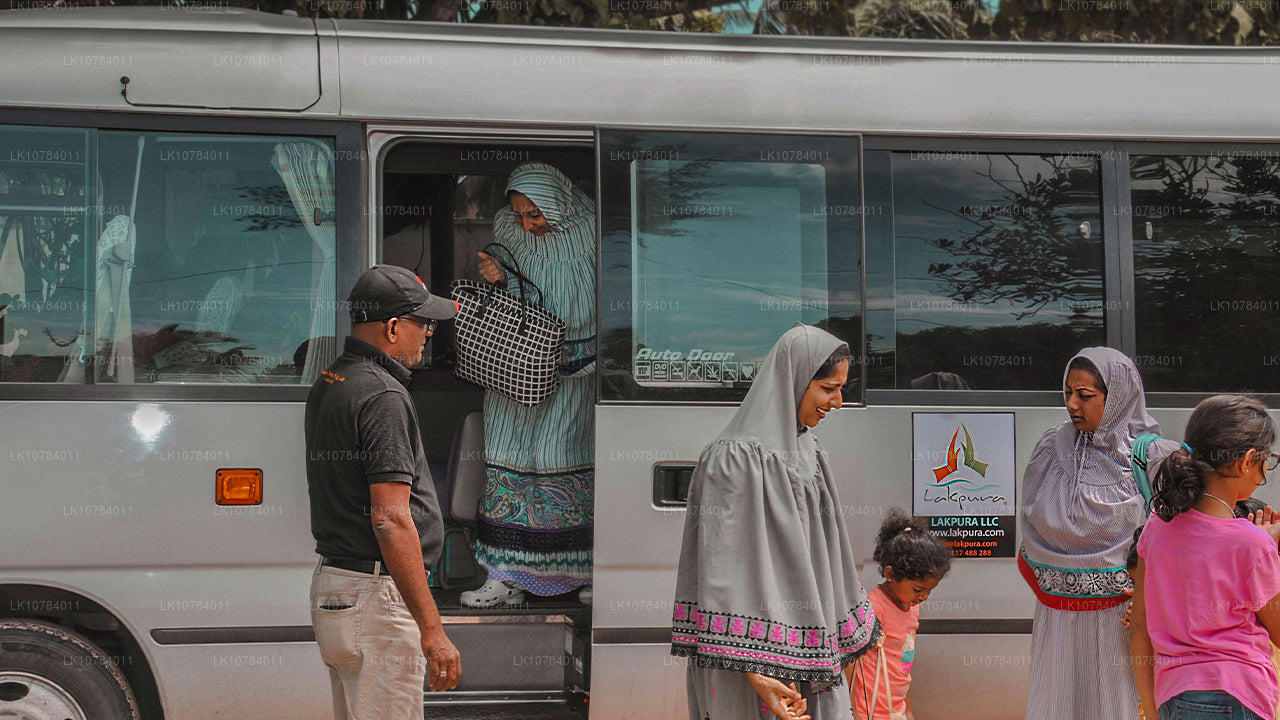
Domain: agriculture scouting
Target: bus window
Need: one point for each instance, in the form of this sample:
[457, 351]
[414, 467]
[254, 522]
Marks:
[714, 245]
[232, 279]
[165, 258]
[44, 220]
[984, 270]
[1206, 253]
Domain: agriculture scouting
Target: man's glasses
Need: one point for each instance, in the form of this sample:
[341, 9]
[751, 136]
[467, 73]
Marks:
[427, 323]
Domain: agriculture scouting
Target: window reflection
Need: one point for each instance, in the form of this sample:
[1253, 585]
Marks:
[144, 257]
[1206, 256]
[993, 282]
[232, 279]
[714, 245]
[44, 218]
[726, 258]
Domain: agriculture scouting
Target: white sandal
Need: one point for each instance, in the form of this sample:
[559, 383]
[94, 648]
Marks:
[491, 593]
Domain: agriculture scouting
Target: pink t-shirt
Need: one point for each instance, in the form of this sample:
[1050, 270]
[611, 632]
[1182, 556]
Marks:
[899, 652]
[1204, 578]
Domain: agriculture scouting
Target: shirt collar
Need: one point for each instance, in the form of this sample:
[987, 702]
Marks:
[379, 358]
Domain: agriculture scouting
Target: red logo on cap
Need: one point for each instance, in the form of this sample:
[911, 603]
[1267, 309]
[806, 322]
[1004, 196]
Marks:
[424, 285]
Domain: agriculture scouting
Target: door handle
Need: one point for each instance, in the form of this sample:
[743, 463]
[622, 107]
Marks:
[671, 483]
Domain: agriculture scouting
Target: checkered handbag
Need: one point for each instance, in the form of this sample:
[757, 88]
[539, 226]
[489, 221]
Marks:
[507, 344]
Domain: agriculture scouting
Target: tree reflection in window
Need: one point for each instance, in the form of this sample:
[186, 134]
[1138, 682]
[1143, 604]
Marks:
[1206, 256]
[995, 284]
[43, 218]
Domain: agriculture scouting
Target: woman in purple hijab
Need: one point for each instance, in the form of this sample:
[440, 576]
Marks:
[1080, 506]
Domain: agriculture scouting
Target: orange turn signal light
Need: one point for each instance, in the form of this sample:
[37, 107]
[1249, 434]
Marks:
[239, 486]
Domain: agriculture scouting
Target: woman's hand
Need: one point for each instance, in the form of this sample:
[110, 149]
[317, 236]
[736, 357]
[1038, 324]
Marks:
[490, 270]
[1267, 519]
[784, 701]
[1128, 611]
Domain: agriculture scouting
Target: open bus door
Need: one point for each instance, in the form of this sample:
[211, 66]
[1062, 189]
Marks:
[436, 198]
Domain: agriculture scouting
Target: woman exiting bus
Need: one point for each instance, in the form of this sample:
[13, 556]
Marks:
[534, 526]
[1080, 508]
[769, 608]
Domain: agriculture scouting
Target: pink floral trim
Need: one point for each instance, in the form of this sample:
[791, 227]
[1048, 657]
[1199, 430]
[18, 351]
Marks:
[761, 645]
[765, 656]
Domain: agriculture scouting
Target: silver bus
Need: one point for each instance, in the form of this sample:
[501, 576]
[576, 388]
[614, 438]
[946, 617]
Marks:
[187, 195]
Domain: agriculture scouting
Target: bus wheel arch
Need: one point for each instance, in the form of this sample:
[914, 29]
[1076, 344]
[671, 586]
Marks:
[91, 638]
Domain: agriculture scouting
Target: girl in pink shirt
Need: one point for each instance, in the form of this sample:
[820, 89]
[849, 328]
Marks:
[912, 562]
[1206, 596]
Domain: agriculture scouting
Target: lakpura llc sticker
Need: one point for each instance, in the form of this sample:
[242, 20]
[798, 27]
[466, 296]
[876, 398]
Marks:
[963, 477]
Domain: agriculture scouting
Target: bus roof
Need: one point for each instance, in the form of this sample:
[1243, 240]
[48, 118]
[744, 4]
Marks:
[251, 63]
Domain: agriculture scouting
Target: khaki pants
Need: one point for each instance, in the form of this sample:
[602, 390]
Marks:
[370, 643]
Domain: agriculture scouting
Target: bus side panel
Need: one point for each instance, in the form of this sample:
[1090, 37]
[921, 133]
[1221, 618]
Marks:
[257, 61]
[971, 676]
[121, 484]
[277, 681]
[115, 500]
[210, 679]
[637, 546]
[637, 550]
[638, 682]
[884, 446]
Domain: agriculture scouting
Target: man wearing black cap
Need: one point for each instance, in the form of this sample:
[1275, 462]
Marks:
[374, 510]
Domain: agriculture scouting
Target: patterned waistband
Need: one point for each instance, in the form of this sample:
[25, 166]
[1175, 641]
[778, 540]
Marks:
[1075, 590]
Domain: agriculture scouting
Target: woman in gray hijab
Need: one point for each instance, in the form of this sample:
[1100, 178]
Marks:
[769, 608]
[1080, 507]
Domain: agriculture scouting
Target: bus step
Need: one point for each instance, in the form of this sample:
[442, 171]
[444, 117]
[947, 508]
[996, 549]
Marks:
[513, 711]
[513, 654]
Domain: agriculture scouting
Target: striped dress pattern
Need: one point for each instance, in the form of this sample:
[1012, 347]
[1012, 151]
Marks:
[536, 515]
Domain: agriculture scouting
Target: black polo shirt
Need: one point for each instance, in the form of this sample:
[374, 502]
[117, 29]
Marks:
[361, 429]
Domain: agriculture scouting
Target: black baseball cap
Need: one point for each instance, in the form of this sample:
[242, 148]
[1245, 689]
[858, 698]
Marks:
[386, 291]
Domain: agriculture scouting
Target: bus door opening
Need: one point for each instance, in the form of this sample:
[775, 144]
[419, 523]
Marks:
[437, 207]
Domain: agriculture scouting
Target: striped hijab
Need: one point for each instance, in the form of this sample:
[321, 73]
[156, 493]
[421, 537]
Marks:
[561, 263]
[557, 198]
[1080, 502]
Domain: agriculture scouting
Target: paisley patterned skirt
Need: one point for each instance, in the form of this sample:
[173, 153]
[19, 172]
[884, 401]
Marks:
[536, 516]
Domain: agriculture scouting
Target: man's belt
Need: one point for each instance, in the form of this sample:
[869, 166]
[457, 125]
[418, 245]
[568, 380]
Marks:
[360, 566]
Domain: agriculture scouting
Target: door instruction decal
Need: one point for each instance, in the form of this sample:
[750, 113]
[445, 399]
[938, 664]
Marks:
[694, 367]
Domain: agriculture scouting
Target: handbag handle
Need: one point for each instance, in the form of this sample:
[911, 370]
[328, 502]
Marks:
[520, 276]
